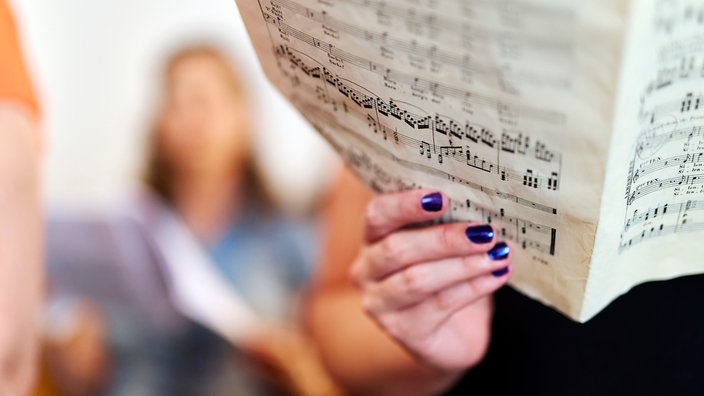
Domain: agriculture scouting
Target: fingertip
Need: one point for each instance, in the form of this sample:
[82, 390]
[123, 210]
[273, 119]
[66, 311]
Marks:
[389, 212]
[481, 234]
[500, 251]
[433, 202]
[502, 273]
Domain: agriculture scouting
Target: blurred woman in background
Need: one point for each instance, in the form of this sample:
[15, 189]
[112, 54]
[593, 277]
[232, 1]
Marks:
[201, 167]
[201, 164]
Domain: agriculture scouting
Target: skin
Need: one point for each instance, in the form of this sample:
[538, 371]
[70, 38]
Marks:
[78, 360]
[398, 310]
[21, 274]
[204, 136]
[202, 126]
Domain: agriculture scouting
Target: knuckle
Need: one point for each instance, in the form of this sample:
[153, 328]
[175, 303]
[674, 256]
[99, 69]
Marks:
[368, 305]
[475, 266]
[468, 264]
[386, 250]
[370, 213]
[359, 271]
[447, 237]
[392, 249]
[480, 287]
[376, 218]
[415, 280]
[408, 206]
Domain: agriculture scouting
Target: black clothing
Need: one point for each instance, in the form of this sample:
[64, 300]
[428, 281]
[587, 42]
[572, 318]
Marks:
[649, 341]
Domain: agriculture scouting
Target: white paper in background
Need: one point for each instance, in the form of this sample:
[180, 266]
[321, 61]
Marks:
[142, 261]
[194, 285]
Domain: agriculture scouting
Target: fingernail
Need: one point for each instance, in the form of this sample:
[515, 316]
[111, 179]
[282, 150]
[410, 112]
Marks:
[499, 273]
[499, 251]
[432, 202]
[480, 233]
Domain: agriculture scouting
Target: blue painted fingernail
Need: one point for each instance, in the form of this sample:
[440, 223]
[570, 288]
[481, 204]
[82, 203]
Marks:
[499, 273]
[499, 251]
[480, 233]
[432, 202]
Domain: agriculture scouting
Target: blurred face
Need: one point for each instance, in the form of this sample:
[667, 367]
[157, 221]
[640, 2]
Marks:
[204, 124]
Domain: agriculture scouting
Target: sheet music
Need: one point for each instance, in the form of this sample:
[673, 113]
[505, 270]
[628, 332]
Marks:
[665, 192]
[506, 106]
[654, 226]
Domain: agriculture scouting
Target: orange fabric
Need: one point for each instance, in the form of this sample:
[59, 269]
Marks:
[14, 81]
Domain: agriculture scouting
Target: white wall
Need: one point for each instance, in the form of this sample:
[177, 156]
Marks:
[96, 65]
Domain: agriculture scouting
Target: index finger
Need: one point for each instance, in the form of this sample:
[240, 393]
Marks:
[389, 212]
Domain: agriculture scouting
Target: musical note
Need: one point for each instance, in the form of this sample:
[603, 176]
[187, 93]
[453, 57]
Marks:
[339, 57]
[425, 149]
[453, 130]
[449, 151]
[526, 233]
[530, 180]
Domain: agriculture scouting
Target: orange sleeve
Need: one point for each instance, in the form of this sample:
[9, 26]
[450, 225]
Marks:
[14, 81]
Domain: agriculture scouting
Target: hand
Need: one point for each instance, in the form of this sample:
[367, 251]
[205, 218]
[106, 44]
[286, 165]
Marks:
[290, 360]
[75, 347]
[430, 288]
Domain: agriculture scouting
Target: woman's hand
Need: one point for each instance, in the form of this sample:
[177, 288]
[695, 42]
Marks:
[290, 360]
[430, 287]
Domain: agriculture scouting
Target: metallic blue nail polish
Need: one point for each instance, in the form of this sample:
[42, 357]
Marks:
[480, 233]
[432, 202]
[499, 251]
[499, 273]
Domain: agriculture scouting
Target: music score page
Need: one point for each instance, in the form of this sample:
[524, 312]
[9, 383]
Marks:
[505, 106]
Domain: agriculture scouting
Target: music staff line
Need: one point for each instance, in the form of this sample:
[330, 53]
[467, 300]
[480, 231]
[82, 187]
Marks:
[412, 47]
[434, 21]
[526, 231]
[662, 230]
[679, 66]
[689, 103]
[500, 219]
[465, 155]
[668, 22]
[658, 164]
[688, 132]
[331, 120]
[684, 70]
[524, 8]
[682, 224]
[441, 124]
[430, 86]
[659, 211]
[654, 185]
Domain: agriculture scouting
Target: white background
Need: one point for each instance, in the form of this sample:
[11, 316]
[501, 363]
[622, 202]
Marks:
[96, 65]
